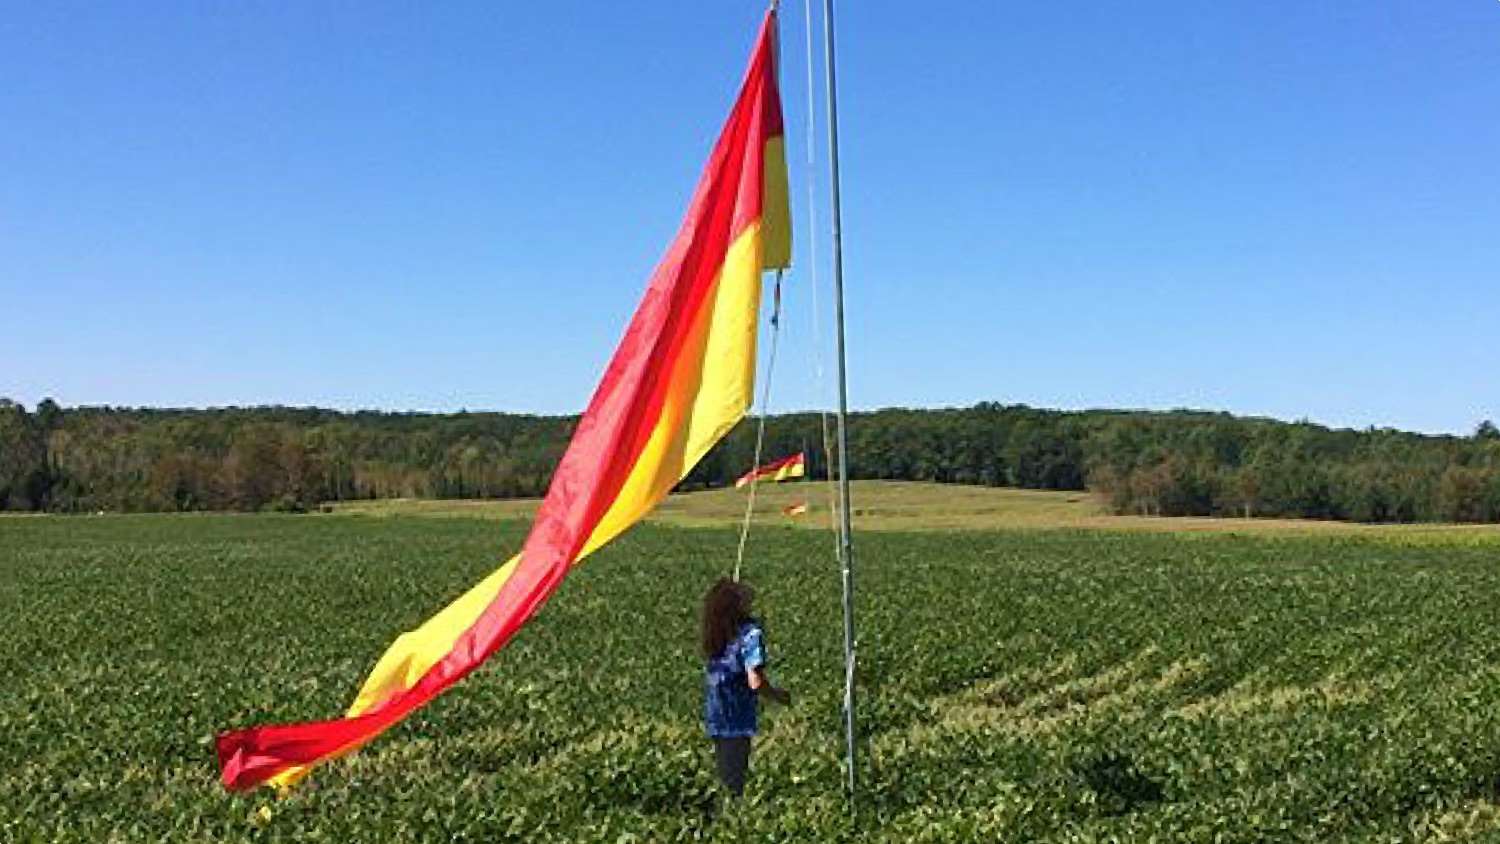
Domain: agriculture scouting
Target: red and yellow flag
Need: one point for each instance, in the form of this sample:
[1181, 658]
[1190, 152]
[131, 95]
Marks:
[787, 467]
[681, 378]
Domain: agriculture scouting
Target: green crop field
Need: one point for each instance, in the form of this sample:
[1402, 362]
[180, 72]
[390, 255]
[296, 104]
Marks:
[1017, 684]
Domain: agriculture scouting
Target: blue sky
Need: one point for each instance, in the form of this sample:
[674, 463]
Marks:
[1277, 208]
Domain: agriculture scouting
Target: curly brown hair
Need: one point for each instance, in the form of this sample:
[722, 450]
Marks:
[725, 608]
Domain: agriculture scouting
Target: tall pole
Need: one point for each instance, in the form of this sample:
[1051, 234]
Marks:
[846, 545]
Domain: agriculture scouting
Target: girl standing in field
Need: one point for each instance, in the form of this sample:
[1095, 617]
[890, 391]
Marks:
[734, 676]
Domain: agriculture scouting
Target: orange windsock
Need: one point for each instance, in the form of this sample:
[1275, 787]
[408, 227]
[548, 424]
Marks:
[786, 468]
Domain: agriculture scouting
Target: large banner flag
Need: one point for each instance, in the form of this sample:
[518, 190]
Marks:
[783, 469]
[681, 378]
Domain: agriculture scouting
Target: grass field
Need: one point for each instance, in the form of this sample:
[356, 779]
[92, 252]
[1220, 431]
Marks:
[910, 506]
[1261, 682]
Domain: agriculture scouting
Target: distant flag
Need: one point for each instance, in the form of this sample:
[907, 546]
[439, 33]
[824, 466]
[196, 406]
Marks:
[783, 469]
[794, 509]
[681, 378]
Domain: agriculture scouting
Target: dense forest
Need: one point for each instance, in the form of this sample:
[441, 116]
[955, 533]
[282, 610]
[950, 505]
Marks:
[1153, 463]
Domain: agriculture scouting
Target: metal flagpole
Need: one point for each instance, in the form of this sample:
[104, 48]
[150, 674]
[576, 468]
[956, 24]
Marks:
[846, 546]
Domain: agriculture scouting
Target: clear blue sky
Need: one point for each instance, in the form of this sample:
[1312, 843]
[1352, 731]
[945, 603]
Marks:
[1281, 208]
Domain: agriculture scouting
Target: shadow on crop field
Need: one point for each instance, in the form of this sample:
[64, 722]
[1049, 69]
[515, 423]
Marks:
[1118, 784]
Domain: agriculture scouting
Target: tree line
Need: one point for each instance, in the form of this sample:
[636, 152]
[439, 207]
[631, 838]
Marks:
[1150, 463]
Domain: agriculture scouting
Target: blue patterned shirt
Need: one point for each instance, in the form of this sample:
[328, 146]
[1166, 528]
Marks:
[729, 704]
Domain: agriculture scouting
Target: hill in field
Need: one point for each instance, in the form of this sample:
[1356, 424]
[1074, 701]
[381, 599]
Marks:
[920, 506]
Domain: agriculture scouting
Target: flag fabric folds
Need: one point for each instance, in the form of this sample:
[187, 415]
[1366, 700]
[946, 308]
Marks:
[783, 469]
[682, 376]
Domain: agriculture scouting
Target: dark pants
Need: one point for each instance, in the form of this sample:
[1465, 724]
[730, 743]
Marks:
[733, 757]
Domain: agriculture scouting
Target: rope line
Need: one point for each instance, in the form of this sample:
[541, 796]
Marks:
[812, 268]
[760, 429]
[820, 375]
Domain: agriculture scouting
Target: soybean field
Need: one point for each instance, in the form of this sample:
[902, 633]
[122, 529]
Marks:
[1015, 685]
